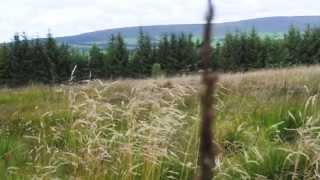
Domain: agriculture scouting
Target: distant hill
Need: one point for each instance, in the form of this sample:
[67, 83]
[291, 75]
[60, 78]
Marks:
[268, 25]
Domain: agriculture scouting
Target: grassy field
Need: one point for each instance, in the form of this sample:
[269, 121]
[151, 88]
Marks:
[268, 127]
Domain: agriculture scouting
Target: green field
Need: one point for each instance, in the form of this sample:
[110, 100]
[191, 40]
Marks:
[268, 127]
[132, 42]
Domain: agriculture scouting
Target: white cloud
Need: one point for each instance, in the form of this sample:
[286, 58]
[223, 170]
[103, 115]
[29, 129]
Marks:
[68, 17]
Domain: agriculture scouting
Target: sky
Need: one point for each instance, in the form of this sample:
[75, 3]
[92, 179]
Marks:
[70, 17]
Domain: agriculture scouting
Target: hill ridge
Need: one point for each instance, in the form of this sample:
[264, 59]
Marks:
[266, 25]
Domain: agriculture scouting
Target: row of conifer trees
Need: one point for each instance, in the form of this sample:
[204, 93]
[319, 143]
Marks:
[44, 60]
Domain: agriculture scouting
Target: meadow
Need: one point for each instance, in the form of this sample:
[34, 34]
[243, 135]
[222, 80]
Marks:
[267, 127]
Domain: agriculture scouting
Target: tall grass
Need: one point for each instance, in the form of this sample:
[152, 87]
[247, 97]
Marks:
[148, 129]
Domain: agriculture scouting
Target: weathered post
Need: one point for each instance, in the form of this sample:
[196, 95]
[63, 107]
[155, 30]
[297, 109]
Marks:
[207, 151]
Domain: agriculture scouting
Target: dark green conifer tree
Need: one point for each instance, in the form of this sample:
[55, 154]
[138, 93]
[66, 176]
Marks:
[292, 42]
[162, 54]
[143, 57]
[53, 54]
[96, 64]
[254, 50]
[20, 61]
[4, 64]
[117, 58]
[42, 69]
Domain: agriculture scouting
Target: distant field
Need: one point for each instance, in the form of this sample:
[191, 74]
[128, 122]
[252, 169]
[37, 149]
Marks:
[267, 25]
[132, 42]
[268, 127]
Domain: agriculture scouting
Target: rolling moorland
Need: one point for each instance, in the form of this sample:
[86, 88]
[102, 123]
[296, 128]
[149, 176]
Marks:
[272, 26]
[267, 127]
[116, 127]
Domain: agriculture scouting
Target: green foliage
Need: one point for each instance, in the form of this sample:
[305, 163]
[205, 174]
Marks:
[163, 52]
[96, 64]
[42, 66]
[117, 58]
[269, 163]
[4, 64]
[291, 43]
[18, 58]
[156, 70]
[23, 60]
[54, 59]
[12, 154]
[143, 57]
[287, 129]
[177, 53]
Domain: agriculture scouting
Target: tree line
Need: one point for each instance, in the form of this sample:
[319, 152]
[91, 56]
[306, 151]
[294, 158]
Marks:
[245, 51]
[44, 60]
